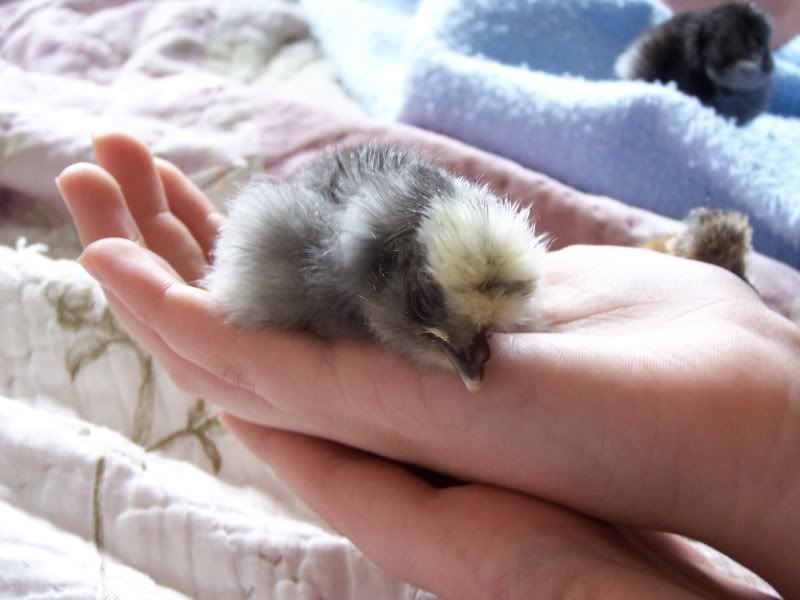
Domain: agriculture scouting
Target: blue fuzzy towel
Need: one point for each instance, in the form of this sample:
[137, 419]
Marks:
[532, 80]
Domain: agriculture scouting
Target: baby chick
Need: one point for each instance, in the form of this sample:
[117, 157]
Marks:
[373, 243]
[722, 56]
[714, 236]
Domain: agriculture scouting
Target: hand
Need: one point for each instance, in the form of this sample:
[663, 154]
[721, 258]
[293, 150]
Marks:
[478, 541]
[667, 398]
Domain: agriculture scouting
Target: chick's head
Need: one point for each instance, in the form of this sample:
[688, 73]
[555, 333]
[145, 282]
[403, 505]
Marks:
[451, 271]
[718, 237]
[736, 46]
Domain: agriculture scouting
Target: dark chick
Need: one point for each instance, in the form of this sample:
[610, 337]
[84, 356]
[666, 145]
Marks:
[718, 237]
[722, 56]
[374, 243]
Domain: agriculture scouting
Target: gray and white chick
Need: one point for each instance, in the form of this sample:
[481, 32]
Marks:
[721, 56]
[371, 242]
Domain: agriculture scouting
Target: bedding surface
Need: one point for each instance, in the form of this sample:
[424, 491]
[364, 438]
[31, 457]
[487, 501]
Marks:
[112, 481]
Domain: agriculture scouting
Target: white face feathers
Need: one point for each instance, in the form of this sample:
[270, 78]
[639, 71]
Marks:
[484, 254]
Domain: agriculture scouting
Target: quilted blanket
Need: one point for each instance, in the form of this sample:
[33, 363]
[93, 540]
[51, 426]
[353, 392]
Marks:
[113, 483]
[533, 80]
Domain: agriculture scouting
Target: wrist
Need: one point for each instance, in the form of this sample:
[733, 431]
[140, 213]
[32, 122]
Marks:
[766, 535]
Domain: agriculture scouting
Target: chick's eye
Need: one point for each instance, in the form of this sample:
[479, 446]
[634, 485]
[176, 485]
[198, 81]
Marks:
[421, 306]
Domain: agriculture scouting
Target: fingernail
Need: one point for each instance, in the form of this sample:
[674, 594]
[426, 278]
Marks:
[101, 132]
[61, 189]
[93, 270]
[216, 219]
[222, 417]
[64, 172]
[75, 168]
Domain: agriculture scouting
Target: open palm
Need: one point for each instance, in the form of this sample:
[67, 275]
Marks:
[660, 386]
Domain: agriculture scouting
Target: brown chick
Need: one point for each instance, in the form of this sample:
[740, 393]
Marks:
[719, 237]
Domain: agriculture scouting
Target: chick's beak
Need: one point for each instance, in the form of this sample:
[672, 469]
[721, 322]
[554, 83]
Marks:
[467, 361]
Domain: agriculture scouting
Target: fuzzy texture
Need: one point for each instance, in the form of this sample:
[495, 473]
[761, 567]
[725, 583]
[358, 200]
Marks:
[721, 56]
[373, 243]
[483, 262]
[718, 237]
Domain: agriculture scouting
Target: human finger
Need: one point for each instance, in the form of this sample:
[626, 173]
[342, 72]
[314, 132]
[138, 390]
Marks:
[466, 542]
[196, 381]
[190, 205]
[222, 378]
[96, 204]
[130, 163]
